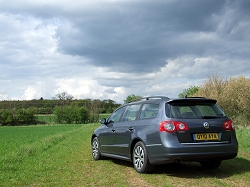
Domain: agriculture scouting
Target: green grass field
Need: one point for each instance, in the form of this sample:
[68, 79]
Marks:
[60, 155]
[48, 118]
[52, 119]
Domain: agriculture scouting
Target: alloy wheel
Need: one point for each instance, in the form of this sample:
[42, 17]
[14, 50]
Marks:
[139, 157]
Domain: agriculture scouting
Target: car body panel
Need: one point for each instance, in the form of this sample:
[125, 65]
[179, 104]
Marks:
[123, 133]
[106, 138]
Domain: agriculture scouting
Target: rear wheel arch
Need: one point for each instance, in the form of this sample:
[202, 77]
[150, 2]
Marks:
[132, 145]
[140, 158]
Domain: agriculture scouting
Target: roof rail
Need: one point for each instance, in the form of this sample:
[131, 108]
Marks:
[148, 98]
[194, 97]
[155, 97]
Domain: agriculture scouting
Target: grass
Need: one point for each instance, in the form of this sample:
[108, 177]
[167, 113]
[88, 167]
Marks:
[60, 155]
[52, 119]
[47, 118]
[104, 116]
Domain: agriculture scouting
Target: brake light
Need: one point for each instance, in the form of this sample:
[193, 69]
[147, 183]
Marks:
[228, 125]
[172, 126]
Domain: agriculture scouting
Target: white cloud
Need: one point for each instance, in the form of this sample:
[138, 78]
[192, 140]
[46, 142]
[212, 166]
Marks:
[111, 49]
[29, 93]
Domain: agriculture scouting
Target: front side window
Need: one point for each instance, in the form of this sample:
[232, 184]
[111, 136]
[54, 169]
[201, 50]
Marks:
[115, 117]
[149, 110]
[131, 113]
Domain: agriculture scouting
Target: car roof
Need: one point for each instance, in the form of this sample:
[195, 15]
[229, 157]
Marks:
[150, 98]
[172, 100]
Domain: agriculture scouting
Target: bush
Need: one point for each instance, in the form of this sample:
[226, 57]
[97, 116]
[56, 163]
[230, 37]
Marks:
[71, 114]
[231, 94]
[6, 118]
[189, 92]
[17, 117]
[25, 116]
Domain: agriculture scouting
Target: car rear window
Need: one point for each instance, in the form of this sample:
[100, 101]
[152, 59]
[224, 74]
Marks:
[187, 110]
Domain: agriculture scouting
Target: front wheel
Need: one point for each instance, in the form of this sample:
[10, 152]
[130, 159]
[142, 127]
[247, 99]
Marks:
[96, 149]
[211, 164]
[140, 159]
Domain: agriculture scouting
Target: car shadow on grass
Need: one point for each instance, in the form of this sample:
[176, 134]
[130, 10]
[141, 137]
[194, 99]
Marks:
[194, 170]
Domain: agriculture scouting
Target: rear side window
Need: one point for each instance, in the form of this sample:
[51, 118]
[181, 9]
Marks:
[149, 110]
[195, 110]
[131, 113]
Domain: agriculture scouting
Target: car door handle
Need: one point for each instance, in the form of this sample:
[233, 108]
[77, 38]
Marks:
[131, 129]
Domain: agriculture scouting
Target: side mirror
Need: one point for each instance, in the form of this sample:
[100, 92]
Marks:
[103, 121]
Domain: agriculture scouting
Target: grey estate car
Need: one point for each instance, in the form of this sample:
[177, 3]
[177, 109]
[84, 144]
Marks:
[158, 130]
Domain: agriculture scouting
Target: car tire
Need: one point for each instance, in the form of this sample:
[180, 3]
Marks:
[140, 159]
[211, 164]
[96, 149]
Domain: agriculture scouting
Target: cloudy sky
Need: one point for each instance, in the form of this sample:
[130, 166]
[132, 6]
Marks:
[109, 49]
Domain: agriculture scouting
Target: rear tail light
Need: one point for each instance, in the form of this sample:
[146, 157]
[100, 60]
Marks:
[228, 125]
[172, 126]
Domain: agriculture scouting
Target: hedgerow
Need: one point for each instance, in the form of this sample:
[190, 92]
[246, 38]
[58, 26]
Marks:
[232, 96]
[17, 117]
[71, 114]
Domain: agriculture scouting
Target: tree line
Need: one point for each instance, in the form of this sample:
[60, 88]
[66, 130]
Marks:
[63, 106]
[42, 106]
[231, 94]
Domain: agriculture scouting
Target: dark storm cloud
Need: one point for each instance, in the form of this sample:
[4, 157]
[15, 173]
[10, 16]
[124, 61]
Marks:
[138, 36]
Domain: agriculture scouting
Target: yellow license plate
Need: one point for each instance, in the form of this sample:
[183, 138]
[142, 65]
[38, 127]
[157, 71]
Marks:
[207, 136]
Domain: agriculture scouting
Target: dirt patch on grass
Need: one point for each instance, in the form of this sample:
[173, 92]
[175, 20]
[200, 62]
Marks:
[244, 155]
[134, 178]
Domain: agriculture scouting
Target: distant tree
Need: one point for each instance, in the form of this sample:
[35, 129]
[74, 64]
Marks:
[64, 96]
[189, 91]
[110, 110]
[132, 98]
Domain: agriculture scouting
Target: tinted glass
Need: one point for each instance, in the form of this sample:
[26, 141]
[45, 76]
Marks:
[115, 117]
[149, 110]
[195, 110]
[131, 113]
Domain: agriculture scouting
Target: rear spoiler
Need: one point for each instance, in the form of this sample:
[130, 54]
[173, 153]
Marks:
[192, 99]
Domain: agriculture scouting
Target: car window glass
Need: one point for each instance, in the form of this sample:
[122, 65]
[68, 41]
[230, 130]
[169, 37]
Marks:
[206, 110]
[149, 110]
[115, 117]
[167, 109]
[196, 110]
[131, 113]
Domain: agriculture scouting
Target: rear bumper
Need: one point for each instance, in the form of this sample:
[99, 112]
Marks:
[158, 154]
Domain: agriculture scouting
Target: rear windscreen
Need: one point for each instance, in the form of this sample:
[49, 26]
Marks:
[188, 110]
